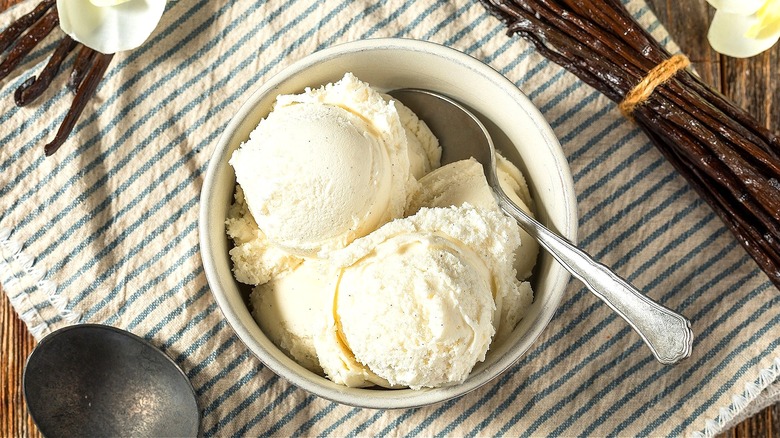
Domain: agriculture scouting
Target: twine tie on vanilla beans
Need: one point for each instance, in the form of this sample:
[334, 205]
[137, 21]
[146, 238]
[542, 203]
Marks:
[655, 77]
[731, 160]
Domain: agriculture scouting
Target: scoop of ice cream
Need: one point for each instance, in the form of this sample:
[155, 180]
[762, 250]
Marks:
[325, 167]
[415, 303]
[254, 260]
[430, 314]
[513, 182]
[314, 177]
[423, 146]
[464, 182]
[288, 307]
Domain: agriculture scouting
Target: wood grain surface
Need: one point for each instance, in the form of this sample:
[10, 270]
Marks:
[753, 84]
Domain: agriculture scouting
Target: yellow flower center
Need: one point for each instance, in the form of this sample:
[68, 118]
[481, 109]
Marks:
[768, 21]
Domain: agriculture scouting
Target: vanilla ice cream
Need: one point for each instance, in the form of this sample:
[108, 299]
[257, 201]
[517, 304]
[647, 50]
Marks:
[423, 147]
[255, 260]
[286, 306]
[370, 263]
[415, 302]
[325, 167]
[464, 182]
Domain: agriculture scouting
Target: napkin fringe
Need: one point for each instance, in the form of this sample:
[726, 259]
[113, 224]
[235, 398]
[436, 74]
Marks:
[20, 276]
[751, 391]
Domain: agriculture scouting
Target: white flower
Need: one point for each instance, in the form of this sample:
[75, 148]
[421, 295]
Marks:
[743, 28]
[110, 26]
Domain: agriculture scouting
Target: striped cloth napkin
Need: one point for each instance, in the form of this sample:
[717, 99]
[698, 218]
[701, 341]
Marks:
[105, 231]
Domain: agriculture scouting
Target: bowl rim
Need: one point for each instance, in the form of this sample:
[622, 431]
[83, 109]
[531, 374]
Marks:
[406, 398]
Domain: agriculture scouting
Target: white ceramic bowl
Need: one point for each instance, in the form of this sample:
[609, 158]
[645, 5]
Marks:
[524, 137]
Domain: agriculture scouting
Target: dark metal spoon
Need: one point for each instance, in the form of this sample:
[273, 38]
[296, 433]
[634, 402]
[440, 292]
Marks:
[462, 135]
[97, 380]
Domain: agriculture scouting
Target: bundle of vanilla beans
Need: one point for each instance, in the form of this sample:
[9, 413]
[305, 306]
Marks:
[725, 154]
[88, 68]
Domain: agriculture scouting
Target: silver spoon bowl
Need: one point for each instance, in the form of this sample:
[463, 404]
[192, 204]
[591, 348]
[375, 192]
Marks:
[97, 380]
[462, 136]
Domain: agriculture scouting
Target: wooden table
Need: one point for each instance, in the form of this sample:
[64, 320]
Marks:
[753, 84]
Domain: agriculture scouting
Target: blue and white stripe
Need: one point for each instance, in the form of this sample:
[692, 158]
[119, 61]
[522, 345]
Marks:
[105, 231]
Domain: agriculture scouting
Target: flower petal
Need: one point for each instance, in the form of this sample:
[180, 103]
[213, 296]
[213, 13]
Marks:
[742, 7]
[112, 28]
[768, 21]
[727, 35]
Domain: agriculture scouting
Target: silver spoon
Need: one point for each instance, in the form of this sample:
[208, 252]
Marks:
[462, 135]
[97, 380]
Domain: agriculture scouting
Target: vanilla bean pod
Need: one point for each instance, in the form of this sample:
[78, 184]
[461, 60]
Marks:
[28, 41]
[742, 227]
[88, 69]
[612, 15]
[727, 130]
[712, 115]
[85, 92]
[753, 173]
[733, 112]
[725, 154]
[81, 66]
[698, 158]
[612, 86]
[592, 36]
[716, 141]
[645, 46]
[752, 221]
[34, 87]
[12, 32]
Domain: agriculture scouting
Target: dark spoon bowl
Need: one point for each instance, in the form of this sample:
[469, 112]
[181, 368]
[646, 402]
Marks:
[97, 380]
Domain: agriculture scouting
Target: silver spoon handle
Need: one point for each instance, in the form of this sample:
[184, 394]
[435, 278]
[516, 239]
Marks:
[667, 333]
